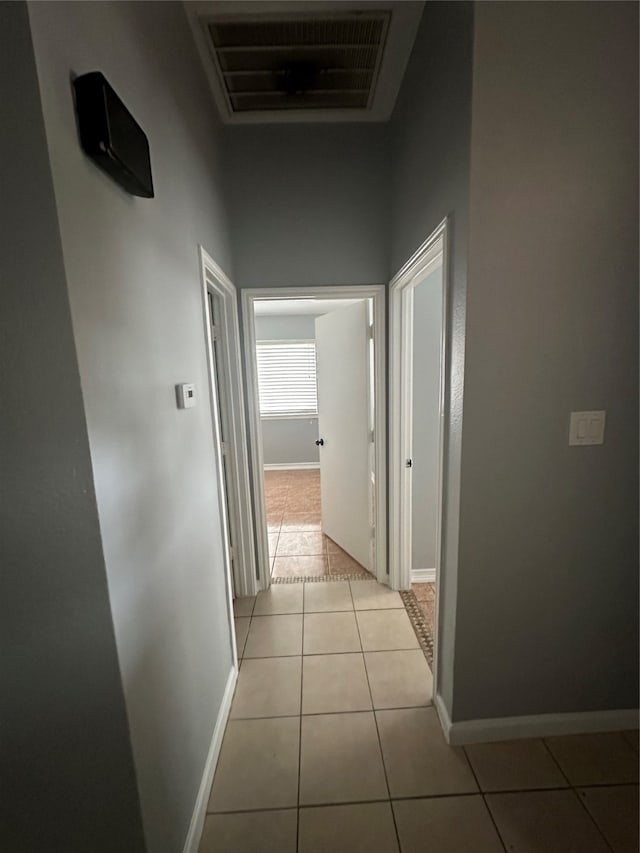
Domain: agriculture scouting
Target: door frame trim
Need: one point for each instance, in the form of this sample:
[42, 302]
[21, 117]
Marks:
[231, 390]
[420, 264]
[378, 294]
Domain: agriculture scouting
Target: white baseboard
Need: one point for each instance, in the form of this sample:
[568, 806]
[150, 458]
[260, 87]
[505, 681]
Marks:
[200, 809]
[539, 725]
[291, 466]
[443, 716]
[423, 575]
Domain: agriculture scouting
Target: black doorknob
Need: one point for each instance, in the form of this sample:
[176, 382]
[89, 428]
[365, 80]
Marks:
[319, 442]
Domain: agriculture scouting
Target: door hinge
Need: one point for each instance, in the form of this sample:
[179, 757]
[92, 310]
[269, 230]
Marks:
[370, 332]
[224, 448]
[231, 554]
[215, 332]
[372, 436]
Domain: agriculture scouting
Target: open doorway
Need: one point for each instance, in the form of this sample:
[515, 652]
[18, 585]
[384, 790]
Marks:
[418, 300]
[222, 341]
[315, 365]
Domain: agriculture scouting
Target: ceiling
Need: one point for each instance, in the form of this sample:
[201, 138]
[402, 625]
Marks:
[305, 61]
[296, 307]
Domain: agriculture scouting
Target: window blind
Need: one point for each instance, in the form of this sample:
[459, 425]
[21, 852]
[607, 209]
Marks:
[287, 378]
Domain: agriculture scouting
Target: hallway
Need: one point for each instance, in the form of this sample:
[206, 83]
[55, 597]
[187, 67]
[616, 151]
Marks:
[333, 744]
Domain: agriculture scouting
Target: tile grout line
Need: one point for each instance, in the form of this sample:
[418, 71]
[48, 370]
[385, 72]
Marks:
[351, 610]
[482, 793]
[407, 798]
[340, 713]
[592, 819]
[556, 762]
[576, 794]
[246, 639]
[375, 722]
[277, 533]
[484, 800]
[317, 654]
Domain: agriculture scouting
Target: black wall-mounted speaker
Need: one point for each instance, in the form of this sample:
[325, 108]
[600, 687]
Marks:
[111, 136]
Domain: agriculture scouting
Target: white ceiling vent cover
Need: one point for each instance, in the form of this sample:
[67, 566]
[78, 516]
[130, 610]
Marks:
[300, 63]
[304, 61]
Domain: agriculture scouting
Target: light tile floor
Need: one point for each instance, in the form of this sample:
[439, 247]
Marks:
[333, 747]
[297, 546]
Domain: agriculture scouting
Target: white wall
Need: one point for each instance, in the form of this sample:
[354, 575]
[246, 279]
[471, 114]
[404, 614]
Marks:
[427, 321]
[133, 278]
[288, 440]
[549, 533]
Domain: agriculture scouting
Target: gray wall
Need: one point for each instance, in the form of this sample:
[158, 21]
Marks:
[288, 440]
[427, 324]
[136, 304]
[431, 128]
[68, 775]
[284, 327]
[309, 204]
[548, 534]
[549, 539]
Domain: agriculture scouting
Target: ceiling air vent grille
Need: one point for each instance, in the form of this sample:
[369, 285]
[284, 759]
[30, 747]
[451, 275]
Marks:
[307, 63]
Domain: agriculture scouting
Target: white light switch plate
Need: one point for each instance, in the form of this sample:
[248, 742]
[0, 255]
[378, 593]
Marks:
[586, 428]
[186, 395]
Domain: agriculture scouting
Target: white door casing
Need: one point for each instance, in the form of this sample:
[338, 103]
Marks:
[377, 295]
[342, 341]
[226, 383]
[432, 252]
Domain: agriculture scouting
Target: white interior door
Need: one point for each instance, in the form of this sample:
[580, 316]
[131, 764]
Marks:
[342, 354]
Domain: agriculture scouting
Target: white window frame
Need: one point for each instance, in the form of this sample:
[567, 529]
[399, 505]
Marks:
[286, 415]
